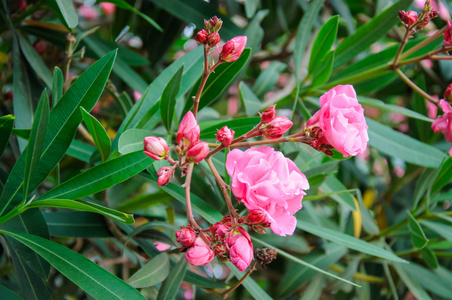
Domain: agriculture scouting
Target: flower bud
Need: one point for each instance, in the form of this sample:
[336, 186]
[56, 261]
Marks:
[269, 114]
[240, 248]
[256, 216]
[232, 49]
[108, 8]
[186, 236]
[201, 36]
[448, 34]
[409, 18]
[199, 253]
[219, 231]
[215, 23]
[448, 94]
[276, 128]
[164, 175]
[220, 249]
[213, 39]
[197, 152]
[155, 147]
[225, 136]
[188, 132]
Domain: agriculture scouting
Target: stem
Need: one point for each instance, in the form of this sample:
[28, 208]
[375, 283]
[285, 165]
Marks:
[269, 142]
[415, 87]
[252, 133]
[408, 33]
[430, 55]
[248, 273]
[423, 43]
[68, 59]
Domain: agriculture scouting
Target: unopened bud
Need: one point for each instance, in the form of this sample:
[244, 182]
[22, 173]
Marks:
[201, 36]
[409, 18]
[186, 236]
[197, 152]
[269, 114]
[155, 147]
[256, 216]
[448, 34]
[276, 128]
[164, 175]
[225, 136]
[448, 94]
[232, 49]
[213, 39]
[220, 250]
[215, 24]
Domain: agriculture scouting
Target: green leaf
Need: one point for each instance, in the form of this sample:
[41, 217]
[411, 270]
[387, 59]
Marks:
[304, 33]
[418, 237]
[57, 86]
[399, 145]
[428, 280]
[124, 4]
[412, 285]
[323, 43]
[240, 126]
[267, 79]
[68, 12]
[99, 134]
[168, 100]
[250, 101]
[100, 177]
[6, 293]
[323, 70]
[424, 182]
[369, 33]
[429, 257]
[347, 241]
[90, 277]
[250, 8]
[76, 224]
[218, 81]
[132, 140]
[36, 141]
[155, 271]
[331, 185]
[81, 150]
[315, 288]
[442, 229]
[171, 285]
[200, 281]
[250, 285]
[444, 175]
[6, 127]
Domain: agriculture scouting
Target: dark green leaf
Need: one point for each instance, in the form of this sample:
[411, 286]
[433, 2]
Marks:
[57, 86]
[429, 257]
[418, 237]
[76, 224]
[155, 271]
[168, 100]
[124, 4]
[6, 127]
[240, 126]
[331, 185]
[250, 101]
[322, 72]
[171, 285]
[250, 285]
[98, 133]
[442, 229]
[424, 182]
[6, 293]
[428, 280]
[444, 176]
[323, 42]
[412, 285]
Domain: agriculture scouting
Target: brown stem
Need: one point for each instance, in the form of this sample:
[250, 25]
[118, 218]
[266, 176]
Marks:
[251, 269]
[415, 87]
[252, 133]
[430, 55]
[408, 33]
[424, 43]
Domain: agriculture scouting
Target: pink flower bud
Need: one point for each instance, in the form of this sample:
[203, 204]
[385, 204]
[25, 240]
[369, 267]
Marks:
[225, 136]
[220, 250]
[108, 8]
[186, 236]
[269, 114]
[448, 34]
[256, 216]
[409, 18]
[155, 147]
[240, 248]
[233, 49]
[164, 175]
[276, 127]
[199, 253]
[188, 133]
[197, 152]
[213, 39]
[201, 36]
[219, 231]
[215, 23]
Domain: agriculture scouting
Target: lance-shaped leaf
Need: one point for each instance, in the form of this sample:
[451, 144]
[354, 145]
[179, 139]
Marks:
[323, 42]
[35, 61]
[99, 134]
[132, 140]
[170, 286]
[418, 237]
[67, 10]
[124, 4]
[6, 293]
[57, 86]
[76, 224]
[168, 100]
[6, 126]
[151, 273]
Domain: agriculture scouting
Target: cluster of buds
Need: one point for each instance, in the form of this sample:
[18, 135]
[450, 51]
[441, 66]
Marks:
[414, 21]
[272, 127]
[315, 138]
[448, 93]
[225, 136]
[210, 36]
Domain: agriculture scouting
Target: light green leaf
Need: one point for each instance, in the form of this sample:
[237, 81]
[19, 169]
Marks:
[428, 280]
[315, 288]
[429, 257]
[81, 150]
[332, 185]
[57, 86]
[155, 271]
[250, 101]
[323, 42]
[68, 11]
[412, 285]
[322, 72]
[250, 285]
[6, 127]
[171, 285]
[168, 100]
[99, 134]
[132, 140]
[90, 277]
[418, 237]
[240, 126]
[442, 229]
[267, 79]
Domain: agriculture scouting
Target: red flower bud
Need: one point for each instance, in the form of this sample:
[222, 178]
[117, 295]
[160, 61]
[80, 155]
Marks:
[220, 250]
[219, 231]
[276, 127]
[188, 132]
[269, 114]
[409, 18]
[240, 248]
[256, 216]
[155, 147]
[448, 35]
[164, 175]
[225, 136]
[233, 49]
[448, 94]
[197, 152]
[215, 23]
[186, 236]
[213, 39]
[201, 36]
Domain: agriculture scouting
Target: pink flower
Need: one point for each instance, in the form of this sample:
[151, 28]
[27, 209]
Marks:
[233, 48]
[269, 114]
[448, 34]
[197, 152]
[188, 133]
[409, 17]
[155, 147]
[432, 109]
[161, 246]
[263, 179]
[276, 127]
[88, 12]
[444, 123]
[240, 248]
[341, 121]
[225, 136]
[137, 95]
[164, 175]
[108, 8]
[199, 253]
[186, 236]
[448, 93]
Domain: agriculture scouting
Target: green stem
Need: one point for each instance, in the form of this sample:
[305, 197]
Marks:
[415, 87]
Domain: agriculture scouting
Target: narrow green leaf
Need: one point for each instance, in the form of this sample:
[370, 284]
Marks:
[90, 277]
[200, 281]
[424, 182]
[250, 8]
[348, 241]
[124, 4]
[331, 185]
[240, 126]
[250, 101]
[99, 134]
[428, 280]
[304, 33]
[155, 271]
[76, 224]
[36, 141]
[444, 175]
[57, 86]
[369, 33]
[323, 43]
[168, 100]
[267, 79]
[100, 177]
[68, 11]
[132, 140]
[429, 257]
[171, 285]
[6, 293]
[418, 237]
[250, 285]
[442, 229]
[6, 127]
[81, 150]
[323, 70]
[315, 288]
[412, 285]
[399, 145]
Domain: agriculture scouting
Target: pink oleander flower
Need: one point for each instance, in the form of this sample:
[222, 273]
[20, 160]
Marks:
[263, 179]
[233, 48]
[186, 236]
[88, 12]
[240, 248]
[275, 128]
[197, 152]
[199, 253]
[201, 36]
[269, 114]
[448, 93]
[448, 34]
[409, 17]
[164, 175]
[225, 136]
[108, 8]
[341, 121]
[444, 123]
[188, 133]
[155, 147]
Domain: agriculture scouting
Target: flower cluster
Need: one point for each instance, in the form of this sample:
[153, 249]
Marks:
[416, 22]
[444, 123]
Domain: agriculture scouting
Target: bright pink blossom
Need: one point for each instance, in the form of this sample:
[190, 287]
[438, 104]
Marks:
[240, 248]
[269, 114]
[448, 34]
[263, 179]
[164, 175]
[444, 123]
[197, 152]
[199, 253]
[155, 147]
[233, 48]
[188, 133]
[225, 136]
[276, 127]
[108, 8]
[186, 236]
[341, 121]
[448, 93]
